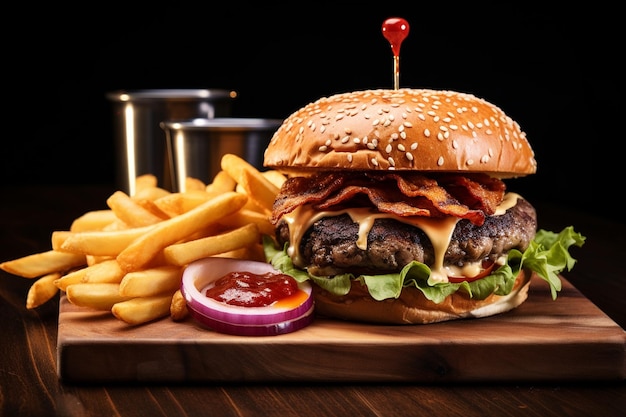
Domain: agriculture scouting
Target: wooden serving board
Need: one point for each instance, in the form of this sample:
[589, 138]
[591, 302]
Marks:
[566, 339]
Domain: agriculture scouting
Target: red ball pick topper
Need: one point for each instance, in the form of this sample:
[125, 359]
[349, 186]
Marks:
[395, 30]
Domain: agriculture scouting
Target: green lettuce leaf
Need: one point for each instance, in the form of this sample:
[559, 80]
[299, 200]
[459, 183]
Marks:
[547, 255]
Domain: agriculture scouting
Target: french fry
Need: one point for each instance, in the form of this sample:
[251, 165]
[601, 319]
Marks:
[178, 203]
[143, 309]
[105, 271]
[73, 277]
[178, 307]
[96, 259]
[139, 253]
[252, 252]
[194, 184]
[258, 188]
[150, 282]
[59, 237]
[275, 177]
[145, 181]
[93, 220]
[101, 243]
[43, 263]
[149, 193]
[42, 290]
[131, 213]
[246, 216]
[100, 296]
[222, 182]
[152, 208]
[184, 253]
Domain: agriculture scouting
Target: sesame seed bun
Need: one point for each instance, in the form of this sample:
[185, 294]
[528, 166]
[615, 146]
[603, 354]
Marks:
[405, 129]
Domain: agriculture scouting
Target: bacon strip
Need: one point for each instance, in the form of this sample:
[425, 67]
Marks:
[401, 194]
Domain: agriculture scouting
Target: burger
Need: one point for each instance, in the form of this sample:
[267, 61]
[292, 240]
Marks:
[396, 209]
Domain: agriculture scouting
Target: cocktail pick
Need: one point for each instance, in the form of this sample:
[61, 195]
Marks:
[395, 30]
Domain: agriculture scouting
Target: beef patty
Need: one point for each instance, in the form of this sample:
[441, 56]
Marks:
[329, 246]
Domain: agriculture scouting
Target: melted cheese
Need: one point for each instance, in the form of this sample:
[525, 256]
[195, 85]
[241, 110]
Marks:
[438, 230]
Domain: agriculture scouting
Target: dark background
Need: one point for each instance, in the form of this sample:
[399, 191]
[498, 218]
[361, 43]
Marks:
[554, 71]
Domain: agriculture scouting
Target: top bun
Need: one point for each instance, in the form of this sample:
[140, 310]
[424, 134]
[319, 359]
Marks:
[405, 129]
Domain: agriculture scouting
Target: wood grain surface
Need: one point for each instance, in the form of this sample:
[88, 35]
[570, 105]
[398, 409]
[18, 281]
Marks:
[565, 339]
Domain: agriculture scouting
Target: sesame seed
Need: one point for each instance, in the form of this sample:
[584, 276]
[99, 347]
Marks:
[409, 156]
[414, 146]
[455, 144]
[427, 133]
[328, 142]
[374, 162]
[345, 139]
[407, 124]
[375, 122]
[469, 162]
[356, 140]
[392, 162]
[389, 148]
[349, 157]
[401, 147]
[440, 161]
[323, 148]
[440, 136]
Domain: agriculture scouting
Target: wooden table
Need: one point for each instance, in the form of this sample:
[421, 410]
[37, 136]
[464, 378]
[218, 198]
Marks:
[29, 384]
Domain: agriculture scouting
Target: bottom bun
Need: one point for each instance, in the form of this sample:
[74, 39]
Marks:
[413, 308]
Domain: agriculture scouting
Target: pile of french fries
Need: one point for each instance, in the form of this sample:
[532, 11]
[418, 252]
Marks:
[129, 258]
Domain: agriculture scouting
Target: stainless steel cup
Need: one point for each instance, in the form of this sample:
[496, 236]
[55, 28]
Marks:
[139, 140]
[196, 146]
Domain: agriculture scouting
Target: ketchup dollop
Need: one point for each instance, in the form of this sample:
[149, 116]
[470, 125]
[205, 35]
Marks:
[247, 289]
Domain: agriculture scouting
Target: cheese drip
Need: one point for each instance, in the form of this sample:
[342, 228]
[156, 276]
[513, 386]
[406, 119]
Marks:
[438, 230]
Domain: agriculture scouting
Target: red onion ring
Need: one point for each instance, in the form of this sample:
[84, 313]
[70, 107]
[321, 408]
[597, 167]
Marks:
[237, 320]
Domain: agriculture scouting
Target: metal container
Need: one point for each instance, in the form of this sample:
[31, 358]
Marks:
[139, 140]
[196, 146]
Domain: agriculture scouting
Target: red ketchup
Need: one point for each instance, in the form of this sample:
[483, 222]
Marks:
[247, 289]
